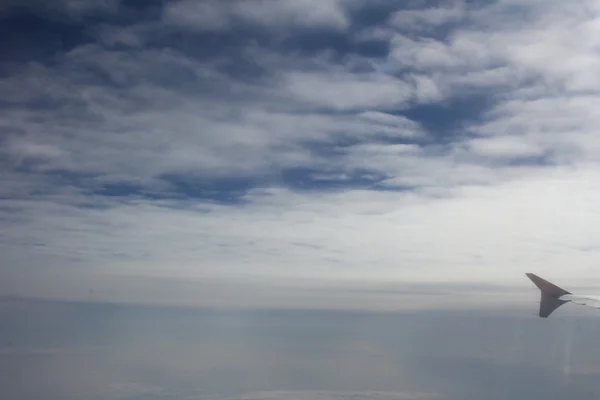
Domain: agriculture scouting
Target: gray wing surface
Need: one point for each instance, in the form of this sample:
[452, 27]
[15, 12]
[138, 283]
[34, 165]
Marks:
[588, 301]
[553, 297]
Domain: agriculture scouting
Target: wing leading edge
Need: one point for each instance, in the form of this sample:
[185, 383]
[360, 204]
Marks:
[553, 296]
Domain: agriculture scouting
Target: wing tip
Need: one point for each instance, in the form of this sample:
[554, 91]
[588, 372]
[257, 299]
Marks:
[546, 287]
[550, 295]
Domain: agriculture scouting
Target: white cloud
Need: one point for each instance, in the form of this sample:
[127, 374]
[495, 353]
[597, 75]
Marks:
[278, 14]
[203, 15]
[283, 13]
[426, 19]
[505, 146]
[562, 125]
[389, 120]
[132, 117]
[21, 150]
[184, 132]
[553, 41]
[560, 46]
[423, 53]
[348, 91]
[479, 234]
[426, 89]
[530, 54]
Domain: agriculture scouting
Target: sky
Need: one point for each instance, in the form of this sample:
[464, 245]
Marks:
[296, 145]
[297, 199]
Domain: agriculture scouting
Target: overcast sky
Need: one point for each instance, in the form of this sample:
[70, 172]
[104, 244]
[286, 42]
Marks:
[278, 147]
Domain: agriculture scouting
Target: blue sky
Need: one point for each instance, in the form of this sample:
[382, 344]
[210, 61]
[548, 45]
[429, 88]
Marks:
[298, 145]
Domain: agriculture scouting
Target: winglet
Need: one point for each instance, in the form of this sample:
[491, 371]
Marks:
[546, 287]
[550, 295]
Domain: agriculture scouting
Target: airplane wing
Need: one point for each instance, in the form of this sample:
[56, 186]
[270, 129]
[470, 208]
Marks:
[589, 301]
[553, 297]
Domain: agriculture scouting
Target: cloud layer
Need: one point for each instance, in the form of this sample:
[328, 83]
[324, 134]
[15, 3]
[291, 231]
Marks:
[69, 350]
[323, 140]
